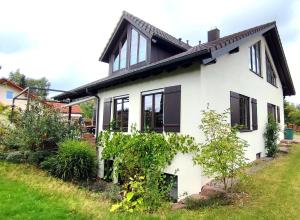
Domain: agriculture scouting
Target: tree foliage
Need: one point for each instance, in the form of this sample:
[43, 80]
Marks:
[24, 82]
[87, 109]
[291, 113]
[222, 153]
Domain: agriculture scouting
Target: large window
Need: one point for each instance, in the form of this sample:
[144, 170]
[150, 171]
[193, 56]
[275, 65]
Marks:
[120, 55]
[9, 95]
[271, 77]
[255, 61]
[272, 111]
[240, 111]
[152, 113]
[244, 112]
[121, 110]
[138, 48]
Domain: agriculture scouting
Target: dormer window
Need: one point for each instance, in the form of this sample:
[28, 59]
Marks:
[138, 48]
[120, 56]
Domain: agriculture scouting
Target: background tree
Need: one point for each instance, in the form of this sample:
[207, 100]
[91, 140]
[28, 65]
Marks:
[222, 154]
[291, 113]
[87, 109]
[23, 81]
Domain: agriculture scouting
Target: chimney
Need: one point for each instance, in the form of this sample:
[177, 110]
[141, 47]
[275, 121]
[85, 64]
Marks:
[213, 34]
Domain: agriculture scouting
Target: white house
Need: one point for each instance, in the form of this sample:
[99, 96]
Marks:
[159, 81]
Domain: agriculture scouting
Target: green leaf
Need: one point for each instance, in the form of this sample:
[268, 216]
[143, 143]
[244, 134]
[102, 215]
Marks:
[129, 196]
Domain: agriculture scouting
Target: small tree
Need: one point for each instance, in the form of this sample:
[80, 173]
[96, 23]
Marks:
[222, 154]
[271, 136]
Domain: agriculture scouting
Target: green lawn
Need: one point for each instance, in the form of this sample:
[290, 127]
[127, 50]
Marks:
[28, 193]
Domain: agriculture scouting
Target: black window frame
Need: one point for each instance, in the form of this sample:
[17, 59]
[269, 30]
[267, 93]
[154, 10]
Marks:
[239, 109]
[137, 64]
[271, 109]
[257, 52]
[123, 99]
[153, 116]
[117, 51]
[271, 75]
[244, 105]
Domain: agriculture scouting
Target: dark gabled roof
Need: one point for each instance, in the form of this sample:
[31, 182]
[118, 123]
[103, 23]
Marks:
[146, 28]
[206, 52]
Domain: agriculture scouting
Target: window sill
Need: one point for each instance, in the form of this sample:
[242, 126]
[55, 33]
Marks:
[245, 130]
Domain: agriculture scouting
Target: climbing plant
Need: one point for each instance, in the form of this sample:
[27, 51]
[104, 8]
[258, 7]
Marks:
[144, 155]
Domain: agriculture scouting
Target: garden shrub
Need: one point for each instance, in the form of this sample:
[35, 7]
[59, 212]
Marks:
[222, 155]
[16, 157]
[39, 127]
[76, 160]
[36, 157]
[271, 136]
[143, 154]
[3, 155]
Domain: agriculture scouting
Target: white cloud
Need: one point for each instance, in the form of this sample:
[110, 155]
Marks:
[68, 36]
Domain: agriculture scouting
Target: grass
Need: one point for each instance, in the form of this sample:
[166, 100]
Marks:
[28, 193]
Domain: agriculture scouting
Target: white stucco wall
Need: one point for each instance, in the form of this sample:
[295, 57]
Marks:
[202, 86]
[231, 73]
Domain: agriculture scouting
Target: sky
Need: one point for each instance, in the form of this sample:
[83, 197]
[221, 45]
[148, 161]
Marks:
[63, 40]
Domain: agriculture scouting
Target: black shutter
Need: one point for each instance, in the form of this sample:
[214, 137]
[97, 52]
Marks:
[254, 114]
[235, 108]
[106, 113]
[278, 114]
[172, 99]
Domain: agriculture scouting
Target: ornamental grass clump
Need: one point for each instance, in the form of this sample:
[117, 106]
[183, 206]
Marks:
[76, 161]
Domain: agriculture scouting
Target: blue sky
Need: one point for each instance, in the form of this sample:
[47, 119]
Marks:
[62, 40]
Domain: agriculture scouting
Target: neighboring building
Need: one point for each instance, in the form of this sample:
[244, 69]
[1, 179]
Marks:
[76, 112]
[9, 89]
[161, 82]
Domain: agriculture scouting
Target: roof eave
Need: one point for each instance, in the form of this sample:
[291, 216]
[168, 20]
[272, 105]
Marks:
[139, 73]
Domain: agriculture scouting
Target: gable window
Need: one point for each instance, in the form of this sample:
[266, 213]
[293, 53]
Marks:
[255, 60]
[271, 77]
[121, 110]
[152, 111]
[119, 58]
[138, 48]
[9, 94]
[240, 111]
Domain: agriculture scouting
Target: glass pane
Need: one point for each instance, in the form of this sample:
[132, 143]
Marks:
[147, 111]
[123, 55]
[125, 114]
[142, 49]
[257, 46]
[118, 113]
[253, 59]
[116, 62]
[158, 120]
[133, 47]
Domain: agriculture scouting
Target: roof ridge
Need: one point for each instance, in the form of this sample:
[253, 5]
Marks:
[153, 28]
[242, 33]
